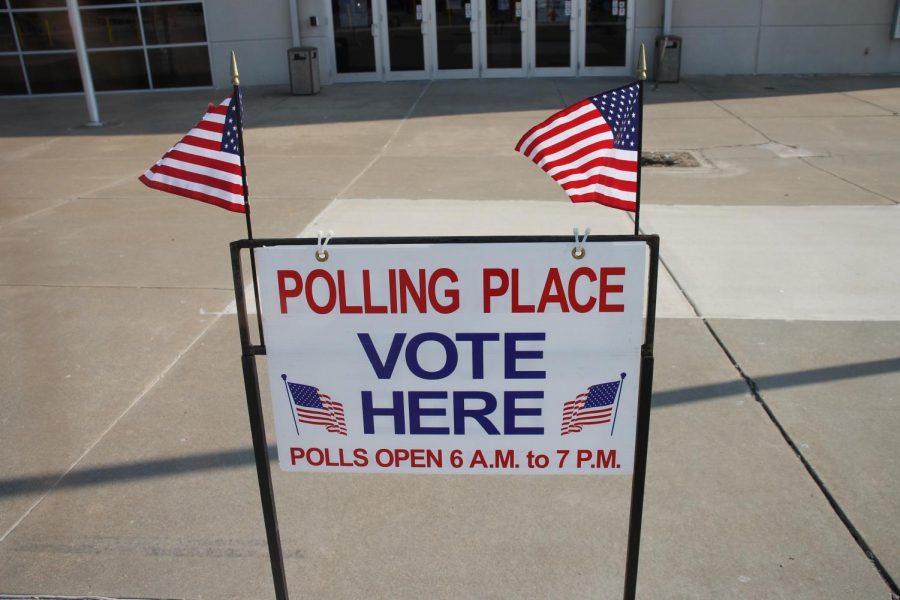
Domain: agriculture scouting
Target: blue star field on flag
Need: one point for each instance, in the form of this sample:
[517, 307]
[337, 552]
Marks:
[621, 110]
[230, 138]
[603, 394]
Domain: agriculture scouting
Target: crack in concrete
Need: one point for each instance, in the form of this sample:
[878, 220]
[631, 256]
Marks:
[387, 144]
[773, 141]
[753, 388]
[147, 389]
[68, 200]
[844, 179]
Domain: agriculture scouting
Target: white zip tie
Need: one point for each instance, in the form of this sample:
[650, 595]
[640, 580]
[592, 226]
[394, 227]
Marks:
[578, 250]
[321, 251]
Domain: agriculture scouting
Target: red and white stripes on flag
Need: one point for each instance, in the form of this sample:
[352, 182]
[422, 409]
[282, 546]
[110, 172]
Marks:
[206, 164]
[592, 148]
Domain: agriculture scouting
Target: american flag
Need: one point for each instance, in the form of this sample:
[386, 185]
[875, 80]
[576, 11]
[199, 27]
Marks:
[591, 148]
[315, 408]
[593, 407]
[206, 164]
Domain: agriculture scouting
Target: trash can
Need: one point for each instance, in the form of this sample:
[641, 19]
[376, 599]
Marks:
[303, 65]
[668, 59]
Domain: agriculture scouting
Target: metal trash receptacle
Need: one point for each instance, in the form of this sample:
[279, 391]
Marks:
[303, 65]
[668, 59]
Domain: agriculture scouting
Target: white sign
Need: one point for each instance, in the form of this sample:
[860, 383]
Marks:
[454, 357]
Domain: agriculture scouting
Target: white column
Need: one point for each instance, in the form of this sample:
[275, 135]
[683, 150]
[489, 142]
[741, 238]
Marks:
[667, 17]
[83, 65]
[295, 27]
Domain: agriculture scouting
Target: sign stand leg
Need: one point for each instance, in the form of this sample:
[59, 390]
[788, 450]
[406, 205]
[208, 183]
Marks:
[264, 474]
[640, 472]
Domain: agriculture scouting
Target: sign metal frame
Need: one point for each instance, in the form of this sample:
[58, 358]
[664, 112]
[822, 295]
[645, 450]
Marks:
[250, 351]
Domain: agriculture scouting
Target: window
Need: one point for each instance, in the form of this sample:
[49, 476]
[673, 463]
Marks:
[131, 45]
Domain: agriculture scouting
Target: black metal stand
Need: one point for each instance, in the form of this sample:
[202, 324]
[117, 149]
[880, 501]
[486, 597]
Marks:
[249, 352]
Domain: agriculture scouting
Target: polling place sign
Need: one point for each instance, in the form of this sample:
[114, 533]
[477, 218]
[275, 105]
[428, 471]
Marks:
[475, 357]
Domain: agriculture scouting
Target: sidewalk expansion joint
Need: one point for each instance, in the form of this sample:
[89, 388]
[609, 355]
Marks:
[388, 143]
[90, 447]
[853, 183]
[754, 391]
[763, 134]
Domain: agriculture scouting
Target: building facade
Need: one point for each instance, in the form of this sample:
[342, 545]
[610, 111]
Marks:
[164, 44]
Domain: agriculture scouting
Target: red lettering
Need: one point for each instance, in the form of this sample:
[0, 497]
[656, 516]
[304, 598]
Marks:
[489, 291]
[516, 307]
[408, 289]
[450, 294]
[283, 292]
[392, 282]
[352, 309]
[371, 309]
[607, 288]
[328, 306]
[315, 457]
[573, 284]
[548, 295]
[384, 458]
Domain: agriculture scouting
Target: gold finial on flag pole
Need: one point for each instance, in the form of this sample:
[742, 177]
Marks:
[235, 79]
[641, 66]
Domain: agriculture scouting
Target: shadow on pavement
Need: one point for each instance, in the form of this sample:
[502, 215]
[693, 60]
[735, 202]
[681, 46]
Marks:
[243, 457]
[138, 113]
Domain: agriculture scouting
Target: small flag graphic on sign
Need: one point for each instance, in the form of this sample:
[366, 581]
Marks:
[592, 148]
[593, 407]
[315, 408]
[206, 164]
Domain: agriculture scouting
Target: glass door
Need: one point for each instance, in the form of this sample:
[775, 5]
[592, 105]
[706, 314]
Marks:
[606, 37]
[553, 47]
[404, 39]
[455, 27]
[355, 45]
[502, 28]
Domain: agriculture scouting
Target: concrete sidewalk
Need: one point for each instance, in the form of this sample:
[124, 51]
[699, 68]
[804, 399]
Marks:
[126, 468]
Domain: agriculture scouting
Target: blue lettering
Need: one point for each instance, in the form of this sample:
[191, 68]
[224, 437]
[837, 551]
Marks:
[412, 356]
[511, 411]
[370, 412]
[416, 412]
[512, 354]
[478, 340]
[460, 412]
[385, 369]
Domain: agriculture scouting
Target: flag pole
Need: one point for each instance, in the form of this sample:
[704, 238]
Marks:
[291, 403]
[619, 397]
[236, 82]
[642, 77]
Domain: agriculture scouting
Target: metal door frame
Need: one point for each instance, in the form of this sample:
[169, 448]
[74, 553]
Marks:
[626, 70]
[482, 38]
[531, 45]
[474, 33]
